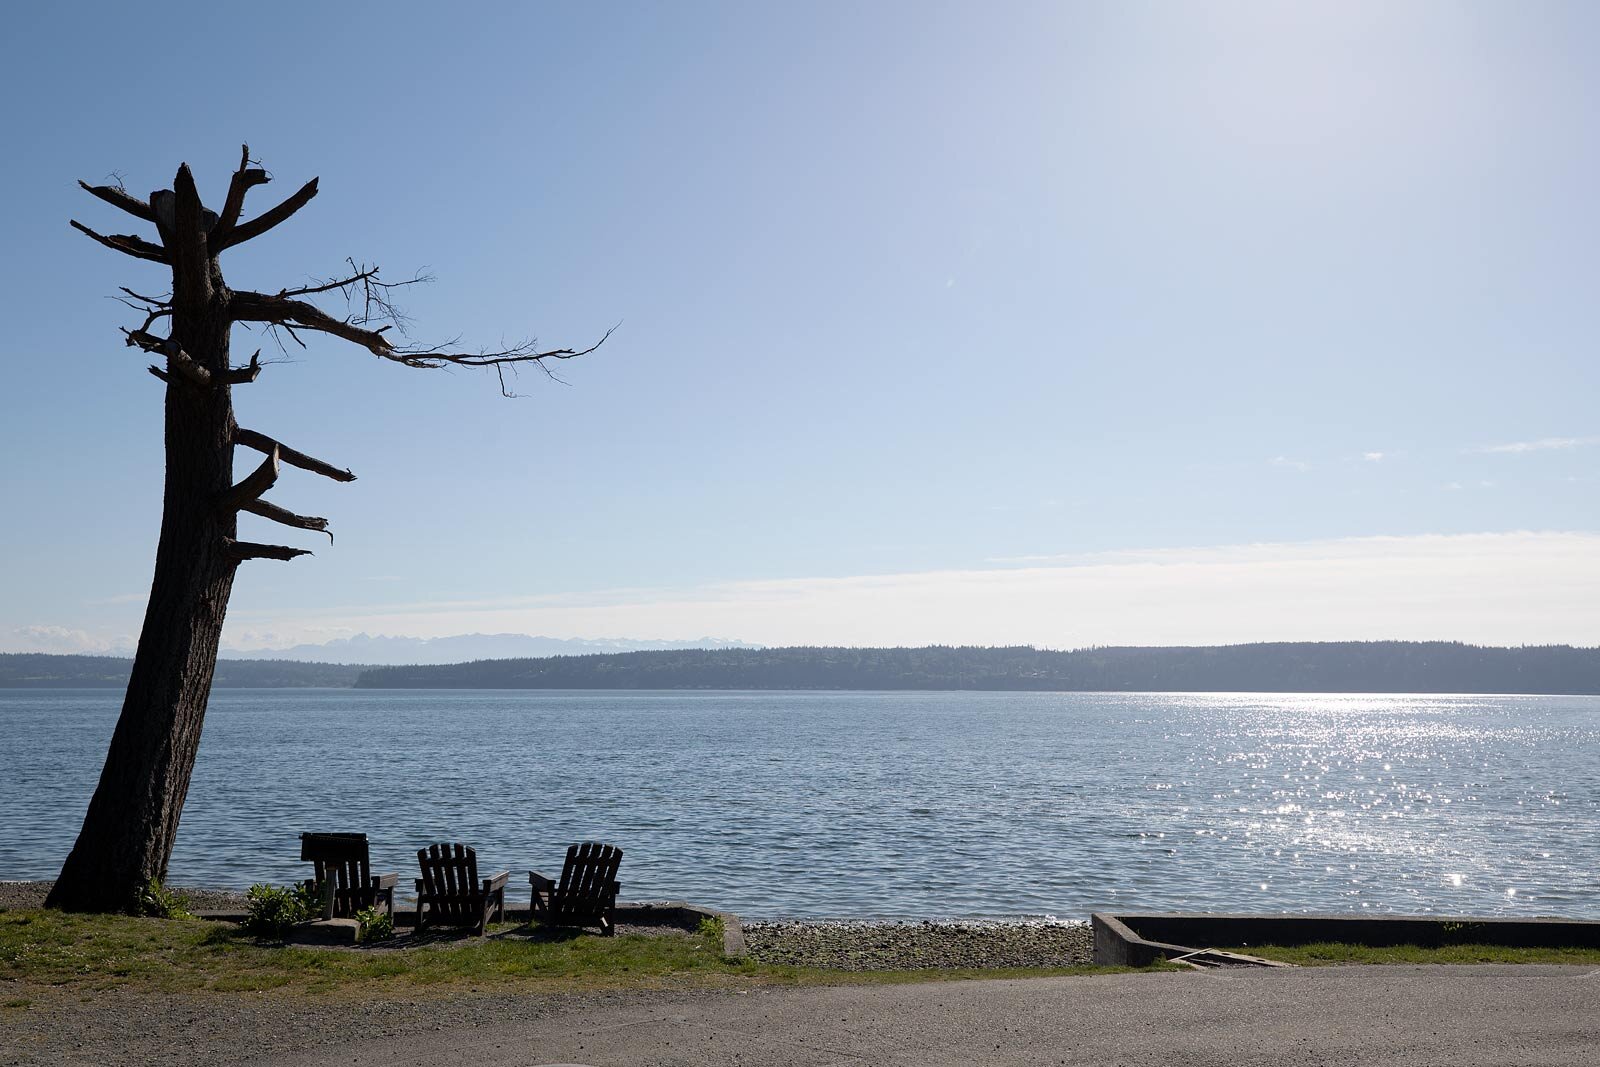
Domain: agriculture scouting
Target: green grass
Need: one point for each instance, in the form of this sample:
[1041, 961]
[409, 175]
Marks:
[1326, 953]
[48, 948]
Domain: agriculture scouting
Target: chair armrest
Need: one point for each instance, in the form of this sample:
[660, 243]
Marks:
[540, 882]
[496, 881]
[385, 881]
[421, 885]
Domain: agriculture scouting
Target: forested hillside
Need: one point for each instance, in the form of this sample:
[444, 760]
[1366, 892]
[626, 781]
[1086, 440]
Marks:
[1289, 667]
[1373, 666]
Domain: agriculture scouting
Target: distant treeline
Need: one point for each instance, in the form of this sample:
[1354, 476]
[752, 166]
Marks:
[1285, 667]
[1288, 667]
[28, 670]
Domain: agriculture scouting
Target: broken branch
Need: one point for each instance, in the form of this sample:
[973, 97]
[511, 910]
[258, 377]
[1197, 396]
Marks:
[295, 458]
[178, 361]
[243, 550]
[267, 219]
[244, 179]
[117, 197]
[253, 486]
[288, 518]
[244, 375]
[126, 243]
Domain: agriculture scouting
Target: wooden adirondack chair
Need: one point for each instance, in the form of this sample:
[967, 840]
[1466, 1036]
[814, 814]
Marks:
[450, 893]
[344, 875]
[587, 892]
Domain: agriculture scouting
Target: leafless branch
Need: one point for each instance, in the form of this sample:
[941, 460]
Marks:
[295, 458]
[244, 179]
[253, 485]
[154, 315]
[526, 352]
[244, 375]
[153, 301]
[117, 196]
[151, 314]
[179, 362]
[126, 243]
[286, 312]
[243, 550]
[265, 221]
[148, 342]
[288, 518]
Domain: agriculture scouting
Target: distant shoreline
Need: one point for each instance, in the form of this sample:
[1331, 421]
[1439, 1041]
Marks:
[1433, 668]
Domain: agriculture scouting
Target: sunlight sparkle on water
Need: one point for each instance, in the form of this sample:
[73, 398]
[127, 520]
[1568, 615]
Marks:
[896, 804]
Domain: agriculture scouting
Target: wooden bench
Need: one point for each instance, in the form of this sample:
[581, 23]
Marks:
[587, 892]
[450, 893]
[344, 877]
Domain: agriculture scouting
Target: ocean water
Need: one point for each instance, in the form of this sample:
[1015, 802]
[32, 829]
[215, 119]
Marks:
[880, 804]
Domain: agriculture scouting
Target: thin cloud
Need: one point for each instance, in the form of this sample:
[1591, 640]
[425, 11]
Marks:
[1499, 588]
[46, 637]
[1285, 463]
[1372, 457]
[121, 598]
[1543, 444]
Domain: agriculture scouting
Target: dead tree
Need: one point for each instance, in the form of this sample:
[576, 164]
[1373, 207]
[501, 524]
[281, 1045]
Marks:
[132, 821]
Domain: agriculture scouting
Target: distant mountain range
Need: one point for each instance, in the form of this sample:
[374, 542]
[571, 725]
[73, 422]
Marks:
[378, 649]
[1288, 667]
[39, 670]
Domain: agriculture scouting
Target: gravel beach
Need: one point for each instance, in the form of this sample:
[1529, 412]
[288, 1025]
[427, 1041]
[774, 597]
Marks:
[865, 946]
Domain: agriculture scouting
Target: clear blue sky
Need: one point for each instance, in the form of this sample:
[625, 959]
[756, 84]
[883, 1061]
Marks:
[1057, 323]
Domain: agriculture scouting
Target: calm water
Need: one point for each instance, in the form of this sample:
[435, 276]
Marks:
[881, 804]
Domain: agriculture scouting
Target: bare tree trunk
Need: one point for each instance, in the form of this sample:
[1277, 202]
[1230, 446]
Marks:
[132, 822]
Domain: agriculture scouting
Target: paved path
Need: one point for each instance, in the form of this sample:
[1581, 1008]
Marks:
[1394, 1016]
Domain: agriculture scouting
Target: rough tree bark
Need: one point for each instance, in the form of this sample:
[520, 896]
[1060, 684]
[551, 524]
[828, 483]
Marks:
[128, 833]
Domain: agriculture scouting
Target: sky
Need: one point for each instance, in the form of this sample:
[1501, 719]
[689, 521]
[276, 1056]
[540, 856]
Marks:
[1054, 324]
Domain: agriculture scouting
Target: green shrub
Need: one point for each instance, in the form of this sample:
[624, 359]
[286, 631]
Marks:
[711, 933]
[375, 925]
[275, 909]
[158, 903]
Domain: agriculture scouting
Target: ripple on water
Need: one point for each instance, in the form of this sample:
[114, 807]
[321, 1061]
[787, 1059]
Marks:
[885, 804]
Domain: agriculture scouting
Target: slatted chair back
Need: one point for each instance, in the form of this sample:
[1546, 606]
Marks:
[588, 886]
[450, 883]
[342, 860]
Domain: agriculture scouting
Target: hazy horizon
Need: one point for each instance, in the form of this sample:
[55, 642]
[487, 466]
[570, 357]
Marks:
[380, 650]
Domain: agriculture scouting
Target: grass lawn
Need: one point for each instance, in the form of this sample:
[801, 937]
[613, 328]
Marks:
[1327, 953]
[54, 949]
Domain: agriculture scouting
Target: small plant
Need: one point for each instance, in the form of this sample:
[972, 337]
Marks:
[1460, 931]
[158, 903]
[275, 909]
[710, 932]
[375, 925]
